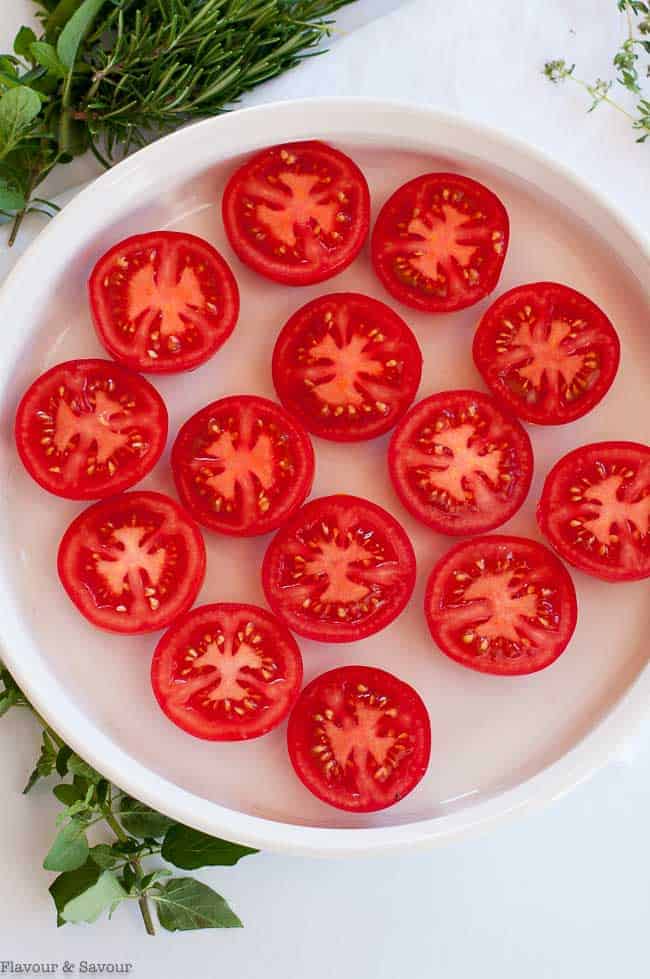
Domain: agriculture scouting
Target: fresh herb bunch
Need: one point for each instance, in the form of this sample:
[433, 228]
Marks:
[96, 878]
[632, 67]
[111, 75]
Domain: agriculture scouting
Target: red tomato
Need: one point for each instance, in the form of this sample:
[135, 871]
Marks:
[347, 366]
[132, 563]
[595, 510]
[297, 213]
[459, 464]
[502, 605]
[89, 428]
[227, 672]
[440, 242]
[359, 738]
[341, 569]
[547, 352]
[242, 465]
[163, 301]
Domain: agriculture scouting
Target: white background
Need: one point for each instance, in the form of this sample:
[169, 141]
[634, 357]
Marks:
[559, 893]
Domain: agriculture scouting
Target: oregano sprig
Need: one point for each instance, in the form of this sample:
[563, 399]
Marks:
[94, 879]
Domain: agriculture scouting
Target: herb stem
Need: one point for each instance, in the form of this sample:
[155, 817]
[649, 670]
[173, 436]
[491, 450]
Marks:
[143, 902]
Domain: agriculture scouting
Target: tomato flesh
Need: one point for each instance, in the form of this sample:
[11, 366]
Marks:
[595, 510]
[227, 672]
[242, 465]
[297, 213]
[440, 241]
[502, 605]
[459, 464]
[341, 569]
[547, 352]
[89, 428]
[359, 738]
[163, 301]
[132, 563]
[347, 366]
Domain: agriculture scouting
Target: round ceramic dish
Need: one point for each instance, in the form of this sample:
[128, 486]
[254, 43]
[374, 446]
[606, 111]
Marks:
[499, 744]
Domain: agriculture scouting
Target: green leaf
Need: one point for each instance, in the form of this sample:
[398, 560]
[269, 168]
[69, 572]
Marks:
[45, 764]
[46, 56]
[62, 760]
[23, 41]
[77, 766]
[70, 848]
[8, 699]
[71, 884]
[8, 66]
[185, 904]
[75, 30]
[141, 821]
[10, 200]
[149, 879]
[104, 856]
[67, 794]
[18, 109]
[190, 849]
[104, 895]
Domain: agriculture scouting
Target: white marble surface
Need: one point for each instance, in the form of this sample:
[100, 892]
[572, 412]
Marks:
[557, 893]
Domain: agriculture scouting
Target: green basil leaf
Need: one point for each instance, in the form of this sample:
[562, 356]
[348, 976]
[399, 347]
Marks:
[149, 879]
[104, 895]
[77, 766]
[190, 849]
[18, 109]
[62, 760]
[8, 698]
[142, 821]
[23, 41]
[46, 56]
[75, 30]
[67, 794]
[184, 904]
[45, 764]
[71, 884]
[105, 856]
[69, 850]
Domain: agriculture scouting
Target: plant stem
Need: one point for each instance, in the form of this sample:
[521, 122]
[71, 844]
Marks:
[145, 910]
[143, 902]
[15, 228]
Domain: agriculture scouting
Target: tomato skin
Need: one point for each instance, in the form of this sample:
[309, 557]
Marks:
[340, 692]
[206, 291]
[574, 501]
[191, 446]
[38, 421]
[337, 322]
[176, 580]
[452, 620]
[512, 323]
[172, 671]
[327, 532]
[310, 156]
[401, 231]
[511, 469]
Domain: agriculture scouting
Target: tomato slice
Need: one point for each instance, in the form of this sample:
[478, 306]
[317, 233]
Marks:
[547, 352]
[227, 672]
[359, 738]
[132, 563]
[347, 366]
[502, 605]
[163, 301]
[297, 213]
[341, 569]
[440, 241]
[459, 464]
[242, 465]
[595, 510]
[89, 428]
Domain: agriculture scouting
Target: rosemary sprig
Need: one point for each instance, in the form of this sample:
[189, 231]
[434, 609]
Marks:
[111, 75]
[631, 70]
[94, 879]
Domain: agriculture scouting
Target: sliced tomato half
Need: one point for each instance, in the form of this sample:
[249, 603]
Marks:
[359, 738]
[242, 465]
[90, 428]
[547, 352]
[440, 242]
[341, 569]
[502, 605]
[297, 213]
[227, 672]
[347, 366]
[132, 563]
[459, 464]
[163, 302]
[595, 509]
